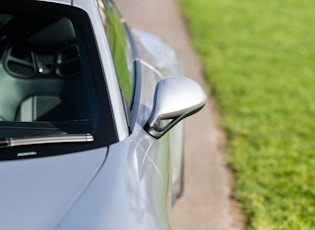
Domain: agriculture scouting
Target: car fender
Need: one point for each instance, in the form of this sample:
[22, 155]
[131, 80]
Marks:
[130, 191]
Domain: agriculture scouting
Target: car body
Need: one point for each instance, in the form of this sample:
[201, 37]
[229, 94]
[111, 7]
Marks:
[90, 119]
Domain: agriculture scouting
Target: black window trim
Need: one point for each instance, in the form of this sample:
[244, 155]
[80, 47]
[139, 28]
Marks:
[136, 88]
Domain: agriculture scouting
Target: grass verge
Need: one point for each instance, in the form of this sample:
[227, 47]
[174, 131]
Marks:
[259, 60]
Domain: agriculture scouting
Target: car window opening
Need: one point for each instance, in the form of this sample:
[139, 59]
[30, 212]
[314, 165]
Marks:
[43, 76]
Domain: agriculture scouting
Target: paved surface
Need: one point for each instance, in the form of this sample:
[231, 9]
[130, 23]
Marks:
[205, 203]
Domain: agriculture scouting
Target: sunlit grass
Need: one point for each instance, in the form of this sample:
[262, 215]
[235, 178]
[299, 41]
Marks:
[259, 60]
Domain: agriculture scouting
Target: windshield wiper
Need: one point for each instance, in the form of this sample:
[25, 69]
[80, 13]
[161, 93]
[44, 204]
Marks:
[65, 138]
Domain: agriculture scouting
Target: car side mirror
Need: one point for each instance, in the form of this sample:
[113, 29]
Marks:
[174, 99]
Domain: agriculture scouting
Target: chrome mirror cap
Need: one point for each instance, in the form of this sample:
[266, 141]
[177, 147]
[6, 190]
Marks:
[175, 98]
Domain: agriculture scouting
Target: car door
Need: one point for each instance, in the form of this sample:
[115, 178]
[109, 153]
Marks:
[147, 59]
[154, 105]
[137, 82]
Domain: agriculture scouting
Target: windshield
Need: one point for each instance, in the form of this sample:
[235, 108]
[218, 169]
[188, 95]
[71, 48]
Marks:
[50, 77]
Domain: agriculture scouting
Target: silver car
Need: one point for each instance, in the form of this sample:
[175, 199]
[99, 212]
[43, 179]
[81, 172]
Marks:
[90, 119]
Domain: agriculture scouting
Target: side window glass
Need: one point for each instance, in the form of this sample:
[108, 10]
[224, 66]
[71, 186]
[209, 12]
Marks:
[120, 48]
[43, 73]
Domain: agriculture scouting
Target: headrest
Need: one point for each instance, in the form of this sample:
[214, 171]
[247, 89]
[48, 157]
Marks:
[42, 31]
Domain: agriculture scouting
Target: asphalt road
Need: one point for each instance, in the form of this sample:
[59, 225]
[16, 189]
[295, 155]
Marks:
[205, 203]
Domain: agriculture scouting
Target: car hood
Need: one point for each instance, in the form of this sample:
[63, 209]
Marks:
[37, 193]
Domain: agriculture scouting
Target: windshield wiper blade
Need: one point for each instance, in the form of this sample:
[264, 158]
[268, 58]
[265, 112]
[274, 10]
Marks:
[65, 138]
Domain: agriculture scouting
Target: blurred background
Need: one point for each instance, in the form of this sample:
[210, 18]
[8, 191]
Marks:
[257, 60]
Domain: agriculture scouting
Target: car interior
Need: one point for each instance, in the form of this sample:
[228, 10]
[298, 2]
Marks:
[41, 71]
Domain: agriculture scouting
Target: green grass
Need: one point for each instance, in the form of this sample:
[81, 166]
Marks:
[259, 60]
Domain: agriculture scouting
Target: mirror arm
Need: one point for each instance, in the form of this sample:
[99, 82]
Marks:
[158, 132]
